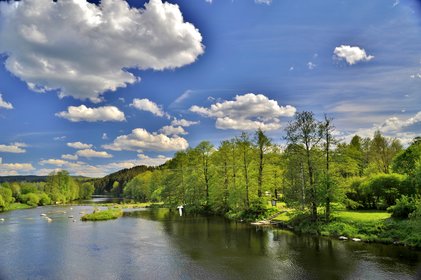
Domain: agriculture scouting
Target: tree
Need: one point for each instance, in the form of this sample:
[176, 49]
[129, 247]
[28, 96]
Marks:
[86, 190]
[405, 162]
[205, 149]
[245, 147]
[304, 130]
[383, 150]
[326, 130]
[262, 143]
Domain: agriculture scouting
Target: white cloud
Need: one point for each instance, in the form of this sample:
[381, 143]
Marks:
[141, 139]
[89, 153]
[51, 161]
[311, 65]
[59, 138]
[149, 106]
[16, 148]
[15, 168]
[4, 104]
[267, 2]
[93, 45]
[104, 136]
[79, 145]
[246, 112]
[173, 130]
[83, 113]
[351, 55]
[152, 161]
[393, 127]
[69, 157]
[183, 122]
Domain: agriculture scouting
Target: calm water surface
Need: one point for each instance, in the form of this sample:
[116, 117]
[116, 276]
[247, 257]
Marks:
[157, 244]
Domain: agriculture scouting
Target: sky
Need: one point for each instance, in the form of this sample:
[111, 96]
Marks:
[97, 86]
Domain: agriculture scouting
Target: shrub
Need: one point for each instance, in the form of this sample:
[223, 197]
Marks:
[32, 199]
[403, 207]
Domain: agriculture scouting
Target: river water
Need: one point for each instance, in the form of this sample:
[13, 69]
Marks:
[158, 244]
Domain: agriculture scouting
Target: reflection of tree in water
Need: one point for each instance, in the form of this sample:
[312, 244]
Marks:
[238, 250]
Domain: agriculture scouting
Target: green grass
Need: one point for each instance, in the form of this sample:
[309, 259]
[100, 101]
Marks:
[361, 216]
[103, 215]
[369, 226]
[17, 206]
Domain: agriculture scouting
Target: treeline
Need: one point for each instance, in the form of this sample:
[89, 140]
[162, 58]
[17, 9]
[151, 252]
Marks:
[58, 188]
[114, 182]
[313, 170]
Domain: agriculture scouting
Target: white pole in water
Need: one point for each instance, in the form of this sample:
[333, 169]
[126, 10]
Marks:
[180, 210]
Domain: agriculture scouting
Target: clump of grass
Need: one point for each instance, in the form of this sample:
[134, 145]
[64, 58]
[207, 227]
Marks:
[103, 215]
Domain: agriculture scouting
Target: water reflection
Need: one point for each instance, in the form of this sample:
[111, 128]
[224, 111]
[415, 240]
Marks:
[159, 244]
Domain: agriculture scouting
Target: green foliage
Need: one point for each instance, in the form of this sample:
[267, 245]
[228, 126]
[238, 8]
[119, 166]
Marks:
[403, 208]
[32, 199]
[103, 215]
[86, 190]
[105, 184]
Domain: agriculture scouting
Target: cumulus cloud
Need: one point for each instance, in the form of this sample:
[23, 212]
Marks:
[141, 139]
[79, 145]
[4, 104]
[173, 130]
[84, 50]
[89, 153]
[16, 148]
[393, 127]
[247, 112]
[57, 162]
[15, 168]
[351, 55]
[149, 106]
[183, 122]
[152, 161]
[69, 157]
[83, 113]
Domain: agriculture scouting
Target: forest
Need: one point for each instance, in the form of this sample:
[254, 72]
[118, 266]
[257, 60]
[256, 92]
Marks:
[59, 188]
[314, 172]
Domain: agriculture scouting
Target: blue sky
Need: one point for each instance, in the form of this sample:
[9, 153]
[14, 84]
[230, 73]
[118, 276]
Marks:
[94, 88]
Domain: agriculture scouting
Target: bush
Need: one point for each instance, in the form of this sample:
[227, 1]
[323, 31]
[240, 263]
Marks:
[44, 199]
[32, 199]
[403, 207]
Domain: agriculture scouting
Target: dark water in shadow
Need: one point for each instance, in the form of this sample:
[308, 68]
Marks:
[158, 244]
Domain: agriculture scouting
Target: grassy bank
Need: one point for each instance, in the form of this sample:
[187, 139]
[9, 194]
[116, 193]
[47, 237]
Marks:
[17, 206]
[369, 226]
[103, 215]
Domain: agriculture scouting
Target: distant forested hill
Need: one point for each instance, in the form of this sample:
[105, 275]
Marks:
[118, 179]
[33, 178]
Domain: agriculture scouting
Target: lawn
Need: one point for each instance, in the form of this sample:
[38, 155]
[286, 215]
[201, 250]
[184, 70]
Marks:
[361, 216]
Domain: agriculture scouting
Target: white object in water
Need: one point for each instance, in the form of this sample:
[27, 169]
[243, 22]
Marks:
[180, 210]
[43, 215]
[1, 220]
[356, 239]
[49, 220]
[71, 217]
[343, 238]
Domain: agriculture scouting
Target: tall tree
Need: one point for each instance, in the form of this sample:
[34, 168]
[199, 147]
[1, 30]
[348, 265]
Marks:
[304, 130]
[262, 143]
[205, 149]
[326, 130]
[245, 147]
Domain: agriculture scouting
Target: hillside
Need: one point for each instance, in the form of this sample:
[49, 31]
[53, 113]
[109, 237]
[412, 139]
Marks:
[105, 184]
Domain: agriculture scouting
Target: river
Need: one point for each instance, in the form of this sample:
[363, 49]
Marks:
[158, 244]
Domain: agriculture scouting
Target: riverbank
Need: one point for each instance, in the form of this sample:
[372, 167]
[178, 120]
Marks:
[365, 226]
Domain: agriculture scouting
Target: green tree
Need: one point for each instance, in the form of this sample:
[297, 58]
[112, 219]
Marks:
[304, 130]
[263, 143]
